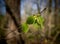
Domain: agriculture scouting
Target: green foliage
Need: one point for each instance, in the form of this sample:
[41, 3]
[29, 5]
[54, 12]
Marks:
[36, 20]
[40, 20]
[25, 27]
[30, 20]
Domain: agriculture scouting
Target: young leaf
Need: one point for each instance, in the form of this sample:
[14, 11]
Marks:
[25, 28]
[40, 20]
[30, 20]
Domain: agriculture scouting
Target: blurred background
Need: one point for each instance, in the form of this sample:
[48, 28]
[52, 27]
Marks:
[17, 21]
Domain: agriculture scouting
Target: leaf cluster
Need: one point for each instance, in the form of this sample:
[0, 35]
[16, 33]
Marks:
[36, 20]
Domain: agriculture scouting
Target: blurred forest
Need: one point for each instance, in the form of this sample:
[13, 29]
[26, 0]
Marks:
[29, 21]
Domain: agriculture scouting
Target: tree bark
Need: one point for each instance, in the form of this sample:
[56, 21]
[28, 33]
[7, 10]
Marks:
[14, 22]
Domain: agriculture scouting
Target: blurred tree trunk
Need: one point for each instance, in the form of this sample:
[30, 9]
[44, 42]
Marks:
[37, 2]
[38, 7]
[49, 17]
[56, 21]
[14, 22]
[56, 14]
